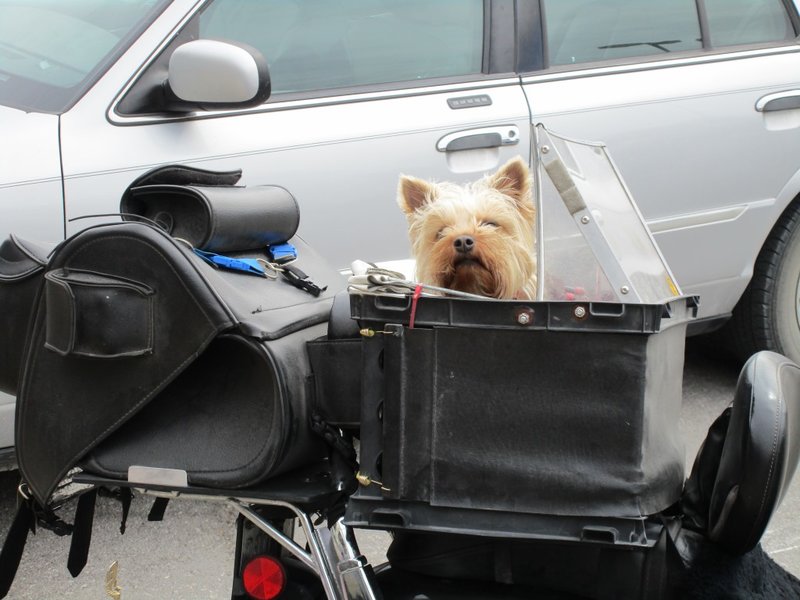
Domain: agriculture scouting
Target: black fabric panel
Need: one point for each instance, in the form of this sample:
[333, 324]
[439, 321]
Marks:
[513, 411]
[336, 365]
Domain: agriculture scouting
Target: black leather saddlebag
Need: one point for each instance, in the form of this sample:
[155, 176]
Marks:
[143, 354]
[21, 266]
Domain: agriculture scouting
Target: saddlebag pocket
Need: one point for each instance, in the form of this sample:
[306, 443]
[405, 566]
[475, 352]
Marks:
[22, 265]
[89, 314]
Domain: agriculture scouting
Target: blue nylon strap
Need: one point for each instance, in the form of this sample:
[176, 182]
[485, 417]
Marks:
[243, 265]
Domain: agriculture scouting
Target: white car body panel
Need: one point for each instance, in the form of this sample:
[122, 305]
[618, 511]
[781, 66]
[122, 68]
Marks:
[329, 151]
[30, 197]
[30, 176]
[699, 107]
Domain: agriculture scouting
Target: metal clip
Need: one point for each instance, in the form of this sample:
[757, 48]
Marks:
[368, 333]
[301, 281]
[366, 481]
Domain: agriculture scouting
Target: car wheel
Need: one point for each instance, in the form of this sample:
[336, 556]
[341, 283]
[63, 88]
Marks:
[767, 316]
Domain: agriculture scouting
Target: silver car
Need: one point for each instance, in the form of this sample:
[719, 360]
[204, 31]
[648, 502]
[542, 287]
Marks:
[698, 103]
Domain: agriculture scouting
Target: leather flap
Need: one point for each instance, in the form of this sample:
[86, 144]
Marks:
[20, 258]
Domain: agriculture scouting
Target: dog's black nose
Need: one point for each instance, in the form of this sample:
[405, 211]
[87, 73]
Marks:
[464, 244]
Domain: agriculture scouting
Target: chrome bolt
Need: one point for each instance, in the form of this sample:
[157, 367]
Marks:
[545, 149]
[523, 318]
[624, 289]
[580, 312]
[585, 219]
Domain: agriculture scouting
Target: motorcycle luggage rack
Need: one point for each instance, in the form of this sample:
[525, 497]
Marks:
[332, 553]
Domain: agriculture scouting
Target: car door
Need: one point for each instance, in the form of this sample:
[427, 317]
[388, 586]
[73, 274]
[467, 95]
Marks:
[361, 92]
[676, 89]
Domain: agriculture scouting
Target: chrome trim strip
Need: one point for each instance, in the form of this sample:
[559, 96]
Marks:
[351, 98]
[565, 72]
[696, 219]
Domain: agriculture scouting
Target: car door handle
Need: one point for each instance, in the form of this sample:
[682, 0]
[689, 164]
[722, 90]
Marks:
[487, 137]
[779, 101]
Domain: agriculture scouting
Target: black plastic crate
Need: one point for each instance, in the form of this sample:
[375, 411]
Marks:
[483, 409]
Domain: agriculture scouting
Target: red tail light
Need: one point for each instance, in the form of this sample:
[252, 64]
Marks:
[264, 578]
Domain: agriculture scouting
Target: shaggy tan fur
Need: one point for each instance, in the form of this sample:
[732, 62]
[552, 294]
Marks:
[477, 238]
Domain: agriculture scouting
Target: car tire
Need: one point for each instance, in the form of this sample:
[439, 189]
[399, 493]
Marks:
[767, 316]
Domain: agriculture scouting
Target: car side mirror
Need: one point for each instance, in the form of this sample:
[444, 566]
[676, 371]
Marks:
[212, 74]
[200, 75]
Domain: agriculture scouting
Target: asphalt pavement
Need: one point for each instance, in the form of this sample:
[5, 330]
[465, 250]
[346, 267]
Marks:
[189, 554]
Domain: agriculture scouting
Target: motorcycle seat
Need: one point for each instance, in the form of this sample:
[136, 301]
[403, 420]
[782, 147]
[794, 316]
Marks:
[757, 441]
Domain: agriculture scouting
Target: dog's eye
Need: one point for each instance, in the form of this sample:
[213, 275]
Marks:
[440, 234]
[489, 224]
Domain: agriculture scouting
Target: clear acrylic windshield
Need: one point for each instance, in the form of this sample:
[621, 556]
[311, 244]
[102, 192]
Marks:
[594, 244]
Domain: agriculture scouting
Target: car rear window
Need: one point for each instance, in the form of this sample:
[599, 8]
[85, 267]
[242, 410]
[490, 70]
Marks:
[733, 22]
[581, 31]
[590, 30]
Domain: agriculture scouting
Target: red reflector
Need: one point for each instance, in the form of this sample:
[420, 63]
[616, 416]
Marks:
[264, 578]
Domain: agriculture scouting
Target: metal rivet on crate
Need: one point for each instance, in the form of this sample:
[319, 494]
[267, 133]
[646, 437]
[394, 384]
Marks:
[524, 316]
[545, 149]
[624, 289]
[580, 312]
[585, 219]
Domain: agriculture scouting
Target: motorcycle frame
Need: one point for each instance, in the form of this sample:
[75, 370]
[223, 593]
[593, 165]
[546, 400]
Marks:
[333, 552]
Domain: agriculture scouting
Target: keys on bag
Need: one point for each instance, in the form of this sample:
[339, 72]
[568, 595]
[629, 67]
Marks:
[263, 268]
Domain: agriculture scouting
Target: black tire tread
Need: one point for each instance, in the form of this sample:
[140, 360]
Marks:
[750, 328]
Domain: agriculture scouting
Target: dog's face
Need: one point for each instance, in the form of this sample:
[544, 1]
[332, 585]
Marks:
[477, 238]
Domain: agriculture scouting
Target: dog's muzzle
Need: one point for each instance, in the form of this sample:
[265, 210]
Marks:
[464, 244]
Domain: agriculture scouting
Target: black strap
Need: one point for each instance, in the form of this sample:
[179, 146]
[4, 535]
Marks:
[125, 497]
[157, 511]
[81, 533]
[11, 553]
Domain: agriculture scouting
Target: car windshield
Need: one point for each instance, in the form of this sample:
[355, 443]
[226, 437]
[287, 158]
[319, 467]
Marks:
[52, 50]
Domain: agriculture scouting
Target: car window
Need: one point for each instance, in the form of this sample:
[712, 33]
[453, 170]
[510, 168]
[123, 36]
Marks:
[589, 30]
[50, 49]
[732, 22]
[322, 44]
[580, 31]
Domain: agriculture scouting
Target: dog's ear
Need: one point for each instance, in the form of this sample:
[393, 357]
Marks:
[514, 179]
[413, 193]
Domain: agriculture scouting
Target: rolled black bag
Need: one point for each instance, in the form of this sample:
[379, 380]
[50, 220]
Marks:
[209, 212]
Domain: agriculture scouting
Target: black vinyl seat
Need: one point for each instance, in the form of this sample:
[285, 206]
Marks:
[749, 457]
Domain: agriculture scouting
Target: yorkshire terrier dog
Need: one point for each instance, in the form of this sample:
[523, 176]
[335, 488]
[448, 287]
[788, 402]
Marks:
[478, 238]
